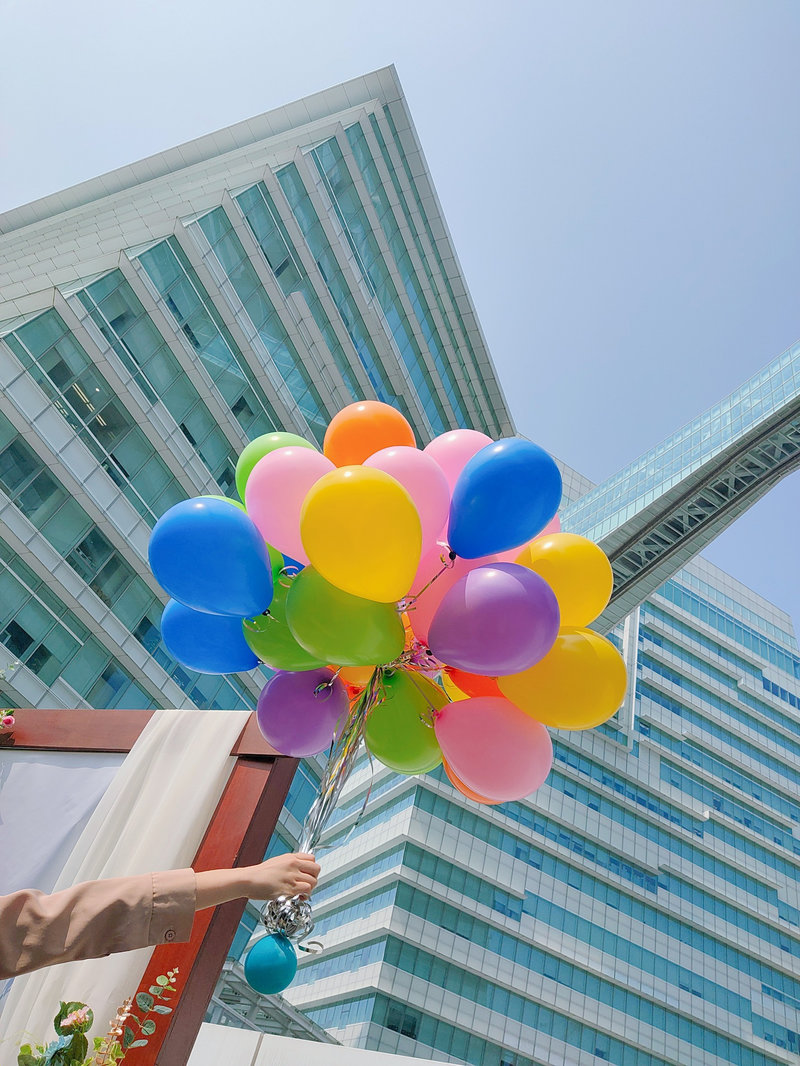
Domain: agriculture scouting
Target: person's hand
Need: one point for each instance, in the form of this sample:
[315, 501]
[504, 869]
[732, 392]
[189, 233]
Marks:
[283, 875]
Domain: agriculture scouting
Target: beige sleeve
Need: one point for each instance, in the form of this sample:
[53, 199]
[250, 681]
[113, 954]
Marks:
[94, 919]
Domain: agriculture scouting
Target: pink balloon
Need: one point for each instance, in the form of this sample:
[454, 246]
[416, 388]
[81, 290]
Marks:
[452, 451]
[423, 479]
[495, 748]
[275, 492]
[553, 526]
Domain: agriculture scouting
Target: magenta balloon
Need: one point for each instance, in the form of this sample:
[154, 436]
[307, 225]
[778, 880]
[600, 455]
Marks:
[275, 492]
[298, 713]
[423, 479]
[452, 451]
[495, 748]
[495, 621]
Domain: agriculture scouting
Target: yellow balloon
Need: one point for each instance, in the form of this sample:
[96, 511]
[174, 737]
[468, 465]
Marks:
[577, 685]
[452, 690]
[362, 533]
[577, 570]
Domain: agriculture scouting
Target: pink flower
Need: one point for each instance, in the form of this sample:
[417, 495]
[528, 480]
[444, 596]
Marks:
[8, 720]
[78, 1017]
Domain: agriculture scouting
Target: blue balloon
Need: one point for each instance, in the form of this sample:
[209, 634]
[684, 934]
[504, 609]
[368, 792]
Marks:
[504, 496]
[211, 557]
[270, 964]
[208, 643]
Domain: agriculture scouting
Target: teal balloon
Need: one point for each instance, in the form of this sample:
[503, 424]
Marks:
[397, 732]
[504, 496]
[269, 636]
[341, 628]
[270, 964]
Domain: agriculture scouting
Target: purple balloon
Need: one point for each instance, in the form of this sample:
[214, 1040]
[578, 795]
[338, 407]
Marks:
[499, 619]
[298, 713]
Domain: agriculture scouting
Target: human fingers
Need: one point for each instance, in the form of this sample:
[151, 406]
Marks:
[308, 866]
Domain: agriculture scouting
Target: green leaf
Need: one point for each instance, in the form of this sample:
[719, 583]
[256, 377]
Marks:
[26, 1056]
[148, 1027]
[127, 1038]
[98, 1042]
[157, 990]
[144, 1002]
[161, 1009]
[77, 1050]
[162, 980]
[138, 1043]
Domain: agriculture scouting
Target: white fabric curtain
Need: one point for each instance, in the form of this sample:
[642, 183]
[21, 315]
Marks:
[39, 790]
[152, 817]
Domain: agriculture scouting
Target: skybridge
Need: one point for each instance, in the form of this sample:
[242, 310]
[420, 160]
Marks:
[654, 515]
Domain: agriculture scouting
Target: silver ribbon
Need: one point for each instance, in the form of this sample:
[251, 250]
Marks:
[292, 916]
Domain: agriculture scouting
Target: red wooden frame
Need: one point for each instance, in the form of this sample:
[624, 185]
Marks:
[237, 835]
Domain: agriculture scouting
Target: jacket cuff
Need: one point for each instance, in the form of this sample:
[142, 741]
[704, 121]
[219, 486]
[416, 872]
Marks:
[172, 914]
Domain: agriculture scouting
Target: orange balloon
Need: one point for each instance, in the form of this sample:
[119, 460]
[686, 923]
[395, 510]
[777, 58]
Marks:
[356, 675]
[462, 788]
[473, 684]
[361, 429]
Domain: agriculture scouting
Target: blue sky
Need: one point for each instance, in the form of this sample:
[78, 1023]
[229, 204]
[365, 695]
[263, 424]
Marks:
[620, 179]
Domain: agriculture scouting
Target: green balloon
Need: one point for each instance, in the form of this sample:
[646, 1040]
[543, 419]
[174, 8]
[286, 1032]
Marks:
[397, 732]
[226, 499]
[340, 628]
[276, 562]
[270, 638]
[261, 446]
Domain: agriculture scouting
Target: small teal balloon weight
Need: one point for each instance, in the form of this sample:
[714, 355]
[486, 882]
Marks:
[270, 964]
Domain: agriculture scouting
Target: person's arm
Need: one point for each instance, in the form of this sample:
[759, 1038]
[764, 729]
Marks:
[97, 918]
[283, 875]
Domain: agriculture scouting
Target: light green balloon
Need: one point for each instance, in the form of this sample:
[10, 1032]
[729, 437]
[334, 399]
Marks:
[226, 499]
[397, 732]
[261, 446]
[270, 638]
[340, 628]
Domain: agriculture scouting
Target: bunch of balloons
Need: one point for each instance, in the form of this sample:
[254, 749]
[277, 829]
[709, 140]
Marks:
[439, 573]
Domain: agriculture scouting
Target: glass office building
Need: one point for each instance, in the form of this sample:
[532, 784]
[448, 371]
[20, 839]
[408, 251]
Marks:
[643, 906]
[640, 909]
[155, 320]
